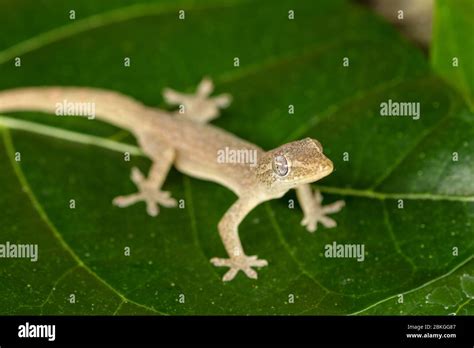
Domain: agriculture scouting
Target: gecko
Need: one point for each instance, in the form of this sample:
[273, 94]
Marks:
[185, 138]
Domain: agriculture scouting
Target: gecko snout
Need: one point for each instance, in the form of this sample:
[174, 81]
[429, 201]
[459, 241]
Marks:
[325, 167]
[329, 166]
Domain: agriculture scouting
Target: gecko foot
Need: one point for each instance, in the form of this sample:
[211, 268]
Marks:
[148, 193]
[199, 106]
[319, 213]
[242, 263]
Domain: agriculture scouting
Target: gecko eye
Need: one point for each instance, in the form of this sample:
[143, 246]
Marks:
[280, 165]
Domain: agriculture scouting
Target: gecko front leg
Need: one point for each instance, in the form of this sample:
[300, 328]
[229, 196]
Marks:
[313, 210]
[149, 189]
[228, 230]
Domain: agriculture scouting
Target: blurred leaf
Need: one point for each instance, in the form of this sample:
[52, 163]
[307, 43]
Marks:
[283, 62]
[452, 53]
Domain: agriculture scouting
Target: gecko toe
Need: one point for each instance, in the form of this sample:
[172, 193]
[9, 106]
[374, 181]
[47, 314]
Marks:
[164, 198]
[152, 208]
[333, 207]
[328, 222]
[254, 261]
[250, 273]
[137, 176]
[218, 262]
[125, 201]
[312, 227]
[230, 274]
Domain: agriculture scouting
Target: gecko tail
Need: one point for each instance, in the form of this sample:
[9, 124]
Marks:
[109, 106]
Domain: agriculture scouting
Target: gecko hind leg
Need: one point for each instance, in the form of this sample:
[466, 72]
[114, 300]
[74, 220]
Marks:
[314, 211]
[198, 107]
[149, 189]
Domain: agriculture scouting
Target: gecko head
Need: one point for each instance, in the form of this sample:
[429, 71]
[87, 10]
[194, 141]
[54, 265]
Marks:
[293, 164]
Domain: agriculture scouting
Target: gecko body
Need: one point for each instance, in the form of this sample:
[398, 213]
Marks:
[187, 141]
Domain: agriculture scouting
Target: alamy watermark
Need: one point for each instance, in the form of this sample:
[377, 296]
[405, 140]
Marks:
[28, 330]
[243, 156]
[67, 108]
[393, 108]
[346, 251]
[21, 251]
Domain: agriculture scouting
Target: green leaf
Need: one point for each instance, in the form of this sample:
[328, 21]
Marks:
[452, 54]
[425, 246]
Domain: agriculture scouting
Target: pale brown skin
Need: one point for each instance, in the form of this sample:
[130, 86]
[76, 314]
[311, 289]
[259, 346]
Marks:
[188, 142]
